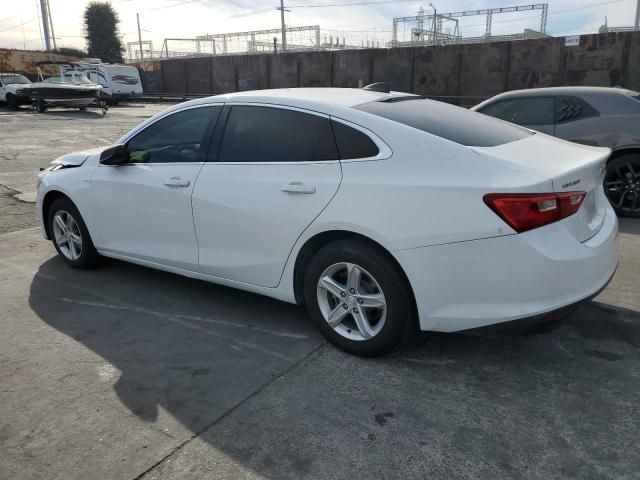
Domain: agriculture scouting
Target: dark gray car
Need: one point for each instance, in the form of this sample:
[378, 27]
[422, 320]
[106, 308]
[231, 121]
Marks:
[606, 117]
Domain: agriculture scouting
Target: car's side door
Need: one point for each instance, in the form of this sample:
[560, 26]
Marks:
[142, 209]
[270, 172]
[536, 113]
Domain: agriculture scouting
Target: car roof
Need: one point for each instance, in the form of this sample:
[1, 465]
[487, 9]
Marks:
[344, 97]
[533, 92]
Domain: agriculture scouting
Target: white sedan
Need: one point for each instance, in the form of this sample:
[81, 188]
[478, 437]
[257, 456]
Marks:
[380, 212]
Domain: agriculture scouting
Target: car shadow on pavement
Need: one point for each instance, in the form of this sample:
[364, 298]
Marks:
[447, 406]
[179, 343]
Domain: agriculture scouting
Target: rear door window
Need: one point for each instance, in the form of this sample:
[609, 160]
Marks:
[268, 134]
[448, 121]
[523, 111]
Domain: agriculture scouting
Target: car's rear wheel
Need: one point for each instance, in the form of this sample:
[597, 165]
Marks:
[622, 184]
[70, 235]
[358, 298]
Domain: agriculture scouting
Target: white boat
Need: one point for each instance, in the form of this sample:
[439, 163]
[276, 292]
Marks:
[70, 88]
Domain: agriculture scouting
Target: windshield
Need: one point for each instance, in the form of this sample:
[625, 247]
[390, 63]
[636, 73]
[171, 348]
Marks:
[448, 121]
[14, 79]
[75, 78]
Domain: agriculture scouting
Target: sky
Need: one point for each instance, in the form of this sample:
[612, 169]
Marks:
[159, 19]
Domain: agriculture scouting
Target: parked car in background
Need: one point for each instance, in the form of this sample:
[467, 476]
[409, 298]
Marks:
[596, 116]
[119, 82]
[380, 212]
[11, 86]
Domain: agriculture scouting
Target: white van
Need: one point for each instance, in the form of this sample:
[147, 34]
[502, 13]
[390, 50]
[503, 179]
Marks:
[119, 82]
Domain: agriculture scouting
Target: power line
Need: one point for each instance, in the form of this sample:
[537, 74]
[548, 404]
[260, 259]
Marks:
[558, 12]
[19, 25]
[348, 4]
[352, 4]
[173, 5]
[8, 18]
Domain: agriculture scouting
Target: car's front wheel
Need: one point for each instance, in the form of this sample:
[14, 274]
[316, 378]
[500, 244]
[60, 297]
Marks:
[12, 102]
[622, 184]
[358, 298]
[70, 235]
[41, 106]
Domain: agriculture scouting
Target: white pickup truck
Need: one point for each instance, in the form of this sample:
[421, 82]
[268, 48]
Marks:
[11, 85]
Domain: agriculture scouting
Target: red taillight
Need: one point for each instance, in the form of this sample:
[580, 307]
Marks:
[524, 211]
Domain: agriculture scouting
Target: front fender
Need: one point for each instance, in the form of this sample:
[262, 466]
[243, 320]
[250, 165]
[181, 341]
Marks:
[70, 182]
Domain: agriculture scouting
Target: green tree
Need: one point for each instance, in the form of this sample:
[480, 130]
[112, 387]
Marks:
[101, 32]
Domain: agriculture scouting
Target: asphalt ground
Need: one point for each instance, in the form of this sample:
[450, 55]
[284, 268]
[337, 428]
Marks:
[127, 372]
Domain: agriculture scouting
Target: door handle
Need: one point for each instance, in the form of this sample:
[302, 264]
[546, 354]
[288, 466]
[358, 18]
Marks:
[177, 182]
[298, 187]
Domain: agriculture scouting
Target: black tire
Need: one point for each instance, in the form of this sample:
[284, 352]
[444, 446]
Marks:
[89, 257]
[12, 103]
[622, 184]
[401, 317]
[41, 106]
[82, 109]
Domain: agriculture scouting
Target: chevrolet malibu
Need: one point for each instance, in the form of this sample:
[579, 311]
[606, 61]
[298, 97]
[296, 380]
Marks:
[380, 212]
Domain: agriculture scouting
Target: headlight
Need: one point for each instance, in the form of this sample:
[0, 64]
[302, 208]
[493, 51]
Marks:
[19, 92]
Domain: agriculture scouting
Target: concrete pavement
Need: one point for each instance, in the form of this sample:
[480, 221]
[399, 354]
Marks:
[126, 372]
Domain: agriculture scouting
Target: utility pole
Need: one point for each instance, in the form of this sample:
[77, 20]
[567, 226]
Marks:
[435, 19]
[284, 32]
[53, 34]
[44, 9]
[139, 36]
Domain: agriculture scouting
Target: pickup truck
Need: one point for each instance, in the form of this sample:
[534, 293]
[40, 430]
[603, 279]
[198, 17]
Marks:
[11, 85]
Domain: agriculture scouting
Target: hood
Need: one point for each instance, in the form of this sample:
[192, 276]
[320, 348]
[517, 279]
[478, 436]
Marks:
[13, 87]
[77, 158]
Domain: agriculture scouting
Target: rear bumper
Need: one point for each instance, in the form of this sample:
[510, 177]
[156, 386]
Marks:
[483, 282]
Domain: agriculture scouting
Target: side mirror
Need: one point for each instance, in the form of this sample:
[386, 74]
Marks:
[116, 155]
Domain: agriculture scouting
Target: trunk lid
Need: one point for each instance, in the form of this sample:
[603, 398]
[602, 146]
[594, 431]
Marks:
[570, 167]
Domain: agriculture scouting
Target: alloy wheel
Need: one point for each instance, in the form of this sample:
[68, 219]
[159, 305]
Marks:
[351, 301]
[622, 186]
[67, 235]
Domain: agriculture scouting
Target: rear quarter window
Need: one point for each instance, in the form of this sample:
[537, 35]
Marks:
[353, 143]
[452, 123]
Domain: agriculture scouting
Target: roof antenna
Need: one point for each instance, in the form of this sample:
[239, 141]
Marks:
[383, 87]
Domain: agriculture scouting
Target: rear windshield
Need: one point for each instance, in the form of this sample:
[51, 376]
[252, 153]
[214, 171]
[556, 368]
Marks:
[448, 121]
